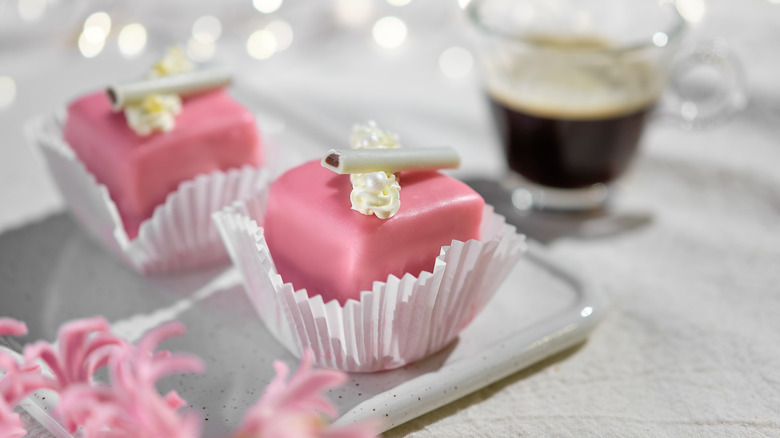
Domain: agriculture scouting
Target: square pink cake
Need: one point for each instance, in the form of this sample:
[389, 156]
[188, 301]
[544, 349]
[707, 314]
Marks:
[319, 243]
[213, 132]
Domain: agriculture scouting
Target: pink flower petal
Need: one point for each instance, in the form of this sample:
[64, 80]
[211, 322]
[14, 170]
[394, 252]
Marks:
[10, 423]
[20, 380]
[45, 352]
[81, 349]
[294, 407]
[12, 327]
[131, 406]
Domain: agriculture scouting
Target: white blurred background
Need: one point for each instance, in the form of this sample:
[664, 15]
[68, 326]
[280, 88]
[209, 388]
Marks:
[309, 69]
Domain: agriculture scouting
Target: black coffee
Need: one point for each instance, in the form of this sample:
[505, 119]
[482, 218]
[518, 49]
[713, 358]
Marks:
[569, 152]
[571, 110]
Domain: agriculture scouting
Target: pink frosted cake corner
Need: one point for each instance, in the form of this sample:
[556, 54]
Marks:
[212, 133]
[319, 243]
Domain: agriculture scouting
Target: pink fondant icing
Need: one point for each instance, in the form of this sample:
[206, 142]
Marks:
[319, 243]
[212, 133]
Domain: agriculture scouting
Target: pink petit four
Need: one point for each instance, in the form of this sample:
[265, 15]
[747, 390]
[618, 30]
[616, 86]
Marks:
[319, 243]
[212, 133]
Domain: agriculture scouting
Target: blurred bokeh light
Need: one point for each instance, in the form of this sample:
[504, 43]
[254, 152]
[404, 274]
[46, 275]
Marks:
[353, 12]
[456, 62]
[692, 10]
[132, 39]
[282, 32]
[267, 6]
[31, 10]
[7, 91]
[389, 32]
[207, 29]
[261, 44]
[94, 33]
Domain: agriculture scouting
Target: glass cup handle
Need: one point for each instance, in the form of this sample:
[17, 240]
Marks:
[706, 86]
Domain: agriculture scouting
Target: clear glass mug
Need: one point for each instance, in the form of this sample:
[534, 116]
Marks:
[572, 83]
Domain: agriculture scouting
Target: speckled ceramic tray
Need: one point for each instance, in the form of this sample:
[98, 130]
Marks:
[541, 309]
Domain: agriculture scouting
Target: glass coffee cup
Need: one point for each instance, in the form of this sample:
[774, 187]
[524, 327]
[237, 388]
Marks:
[571, 86]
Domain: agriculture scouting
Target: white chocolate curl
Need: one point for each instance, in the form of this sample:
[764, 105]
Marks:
[376, 193]
[354, 161]
[182, 84]
[154, 112]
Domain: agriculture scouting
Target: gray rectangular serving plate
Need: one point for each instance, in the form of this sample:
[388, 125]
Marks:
[541, 309]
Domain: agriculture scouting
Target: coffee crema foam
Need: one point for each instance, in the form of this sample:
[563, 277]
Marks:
[593, 103]
[575, 79]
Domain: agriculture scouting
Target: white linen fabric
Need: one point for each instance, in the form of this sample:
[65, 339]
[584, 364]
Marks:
[689, 346]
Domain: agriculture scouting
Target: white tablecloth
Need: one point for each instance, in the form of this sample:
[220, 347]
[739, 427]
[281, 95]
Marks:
[691, 343]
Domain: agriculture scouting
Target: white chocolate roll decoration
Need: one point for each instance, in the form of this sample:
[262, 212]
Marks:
[186, 84]
[351, 161]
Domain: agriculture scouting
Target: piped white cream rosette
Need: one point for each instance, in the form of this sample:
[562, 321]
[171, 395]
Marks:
[400, 321]
[180, 233]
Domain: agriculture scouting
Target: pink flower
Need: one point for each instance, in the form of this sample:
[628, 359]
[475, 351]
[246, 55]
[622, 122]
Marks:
[17, 382]
[10, 423]
[295, 408]
[83, 346]
[130, 405]
[9, 326]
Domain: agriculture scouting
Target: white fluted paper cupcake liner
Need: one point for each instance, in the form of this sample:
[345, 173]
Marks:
[180, 233]
[400, 321]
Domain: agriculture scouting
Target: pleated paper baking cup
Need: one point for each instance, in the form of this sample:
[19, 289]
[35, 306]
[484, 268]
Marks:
[400, 321]
[179, 235]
